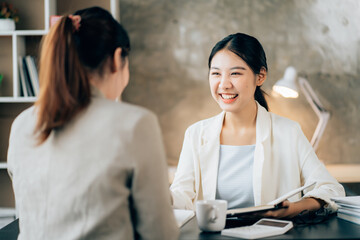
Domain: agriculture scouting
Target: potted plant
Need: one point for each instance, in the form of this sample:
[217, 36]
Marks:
[8, 17]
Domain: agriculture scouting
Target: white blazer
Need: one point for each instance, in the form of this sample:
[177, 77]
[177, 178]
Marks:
[102, 176]
[283, 160]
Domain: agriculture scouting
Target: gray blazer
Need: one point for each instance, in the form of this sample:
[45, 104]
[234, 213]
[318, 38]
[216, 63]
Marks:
[102, 176]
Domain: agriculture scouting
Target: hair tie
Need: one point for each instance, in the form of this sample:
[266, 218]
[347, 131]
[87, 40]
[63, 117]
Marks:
[75, 21]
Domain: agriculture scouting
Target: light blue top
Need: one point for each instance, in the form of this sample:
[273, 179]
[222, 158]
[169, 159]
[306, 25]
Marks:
[234, 182]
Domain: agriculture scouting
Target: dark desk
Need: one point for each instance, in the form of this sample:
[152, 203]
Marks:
[10, 231]
[333, 228]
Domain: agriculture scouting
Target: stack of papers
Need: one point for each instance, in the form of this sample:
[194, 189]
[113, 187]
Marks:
[183, 216]
[7, 215]
[349, 208]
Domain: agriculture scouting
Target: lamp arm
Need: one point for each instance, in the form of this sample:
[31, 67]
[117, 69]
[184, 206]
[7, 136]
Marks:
[318, 108]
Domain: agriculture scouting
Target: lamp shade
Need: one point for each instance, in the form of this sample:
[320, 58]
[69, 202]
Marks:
[286, 86]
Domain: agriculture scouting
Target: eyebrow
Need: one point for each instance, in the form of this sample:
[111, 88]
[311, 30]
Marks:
[233, 68]
[241, 68]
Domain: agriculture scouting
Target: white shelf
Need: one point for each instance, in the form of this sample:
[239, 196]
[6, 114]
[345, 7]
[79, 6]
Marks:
[23, 33]
[7, 33]
[3, 165]
[30, 32]
[18, 42]
[17, 99]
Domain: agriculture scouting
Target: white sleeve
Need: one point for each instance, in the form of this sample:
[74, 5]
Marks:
[183, 187]
[313, 170]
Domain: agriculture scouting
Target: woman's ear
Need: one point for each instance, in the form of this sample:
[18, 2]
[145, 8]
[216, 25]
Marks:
[261, 77]
[117, 61]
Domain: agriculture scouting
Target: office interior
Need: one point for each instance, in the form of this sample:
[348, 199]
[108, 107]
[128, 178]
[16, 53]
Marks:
[171, 41]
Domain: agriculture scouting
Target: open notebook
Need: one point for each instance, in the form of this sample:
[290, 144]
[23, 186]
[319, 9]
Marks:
[183, 216]
[270, 206]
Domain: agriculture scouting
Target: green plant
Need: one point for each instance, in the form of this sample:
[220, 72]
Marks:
[8, 11]
[1, 78]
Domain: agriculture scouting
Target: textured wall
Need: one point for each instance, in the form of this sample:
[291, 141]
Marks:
[171, 41]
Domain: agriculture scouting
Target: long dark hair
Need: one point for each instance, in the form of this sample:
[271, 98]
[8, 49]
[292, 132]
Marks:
[68, 54]
[251, 51]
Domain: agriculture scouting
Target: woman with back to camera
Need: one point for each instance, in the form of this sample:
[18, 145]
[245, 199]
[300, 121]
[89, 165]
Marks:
[247, 155]
[84, 166]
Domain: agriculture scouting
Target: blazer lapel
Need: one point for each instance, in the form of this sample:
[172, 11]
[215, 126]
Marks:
[262, 154]
[210, 150]
[209, 155]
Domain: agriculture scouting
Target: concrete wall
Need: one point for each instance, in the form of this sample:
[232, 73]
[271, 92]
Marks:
[171, 41]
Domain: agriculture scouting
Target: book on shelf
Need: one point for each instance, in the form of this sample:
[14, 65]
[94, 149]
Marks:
[20, 88]
[28, 76]
[273, 205]
[31, 67]
[30, 89]
[23, 79]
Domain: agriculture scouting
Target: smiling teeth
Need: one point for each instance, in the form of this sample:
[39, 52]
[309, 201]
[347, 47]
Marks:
[227, 96]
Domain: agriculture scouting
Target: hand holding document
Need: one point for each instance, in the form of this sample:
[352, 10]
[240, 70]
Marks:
[290, 194]
[273, 205]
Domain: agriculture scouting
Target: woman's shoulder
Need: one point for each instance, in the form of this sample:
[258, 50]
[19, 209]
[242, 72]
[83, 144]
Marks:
[206, 123]
[26, 117]
[284, 124]
[121, 115]
[113, 109]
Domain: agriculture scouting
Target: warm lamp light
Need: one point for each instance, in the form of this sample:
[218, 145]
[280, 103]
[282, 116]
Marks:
[286, 92]
[287, 88]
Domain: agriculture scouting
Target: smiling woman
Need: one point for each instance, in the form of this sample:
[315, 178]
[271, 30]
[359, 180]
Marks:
[247, 155]
[232, 82]
[239, 59]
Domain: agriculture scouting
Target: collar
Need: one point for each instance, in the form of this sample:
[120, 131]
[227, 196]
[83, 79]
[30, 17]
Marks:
[263, 125]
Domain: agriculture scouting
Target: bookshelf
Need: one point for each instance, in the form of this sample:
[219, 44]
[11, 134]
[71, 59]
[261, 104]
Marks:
[25, 40]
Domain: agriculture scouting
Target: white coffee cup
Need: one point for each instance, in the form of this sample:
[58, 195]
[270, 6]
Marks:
[211, 215]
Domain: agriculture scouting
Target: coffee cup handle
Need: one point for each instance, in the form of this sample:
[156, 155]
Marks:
[214, 213]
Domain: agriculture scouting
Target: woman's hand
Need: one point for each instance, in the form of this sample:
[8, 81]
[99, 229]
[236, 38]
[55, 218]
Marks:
[291, 209]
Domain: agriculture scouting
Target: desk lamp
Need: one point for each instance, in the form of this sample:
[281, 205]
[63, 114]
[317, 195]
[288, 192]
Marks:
[287, 88]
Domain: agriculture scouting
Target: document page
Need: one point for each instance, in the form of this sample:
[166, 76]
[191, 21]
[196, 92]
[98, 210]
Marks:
[270, 206]
[183, 216]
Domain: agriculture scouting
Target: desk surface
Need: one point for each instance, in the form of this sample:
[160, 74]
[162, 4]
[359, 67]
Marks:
[333, 228]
